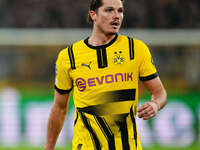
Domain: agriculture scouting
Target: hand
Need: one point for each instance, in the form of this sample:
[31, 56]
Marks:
[148, 110]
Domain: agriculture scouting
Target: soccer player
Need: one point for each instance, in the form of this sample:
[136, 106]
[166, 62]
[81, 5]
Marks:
[104, 70]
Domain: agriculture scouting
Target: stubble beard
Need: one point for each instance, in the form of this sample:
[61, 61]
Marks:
[108, 33]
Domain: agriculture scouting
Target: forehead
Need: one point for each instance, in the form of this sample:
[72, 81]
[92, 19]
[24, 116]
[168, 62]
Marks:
[112, 3]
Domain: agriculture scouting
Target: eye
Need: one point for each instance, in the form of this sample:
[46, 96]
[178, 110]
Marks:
[120, 10]
[109, 9]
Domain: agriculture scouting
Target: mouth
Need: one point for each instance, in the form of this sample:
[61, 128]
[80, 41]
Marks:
[115, 24]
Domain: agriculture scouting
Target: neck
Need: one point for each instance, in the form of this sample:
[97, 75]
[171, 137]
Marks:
[98, 39]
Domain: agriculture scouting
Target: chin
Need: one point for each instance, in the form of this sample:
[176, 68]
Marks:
[113, 32]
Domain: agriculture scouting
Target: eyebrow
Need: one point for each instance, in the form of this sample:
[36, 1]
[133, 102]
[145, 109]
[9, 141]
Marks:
[110, 7]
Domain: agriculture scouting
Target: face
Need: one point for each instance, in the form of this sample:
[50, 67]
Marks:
[108, 18]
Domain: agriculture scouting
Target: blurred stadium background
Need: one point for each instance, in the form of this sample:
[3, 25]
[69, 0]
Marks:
[32, 32]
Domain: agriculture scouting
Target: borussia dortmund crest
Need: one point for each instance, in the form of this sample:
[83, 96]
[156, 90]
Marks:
[118, 58]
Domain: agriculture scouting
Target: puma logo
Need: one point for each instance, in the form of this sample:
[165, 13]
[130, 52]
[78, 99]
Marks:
[79, 146]
[87, 65]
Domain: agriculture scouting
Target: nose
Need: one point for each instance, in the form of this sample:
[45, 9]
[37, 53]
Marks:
[116, 14]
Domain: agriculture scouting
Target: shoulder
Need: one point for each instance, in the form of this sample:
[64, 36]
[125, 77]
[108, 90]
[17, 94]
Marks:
[141, 49]
[141, 46]
[64, 52]
[78, 43]
[140, 43]
[137, 42]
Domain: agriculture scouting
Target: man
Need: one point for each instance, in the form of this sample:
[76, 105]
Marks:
[103, 71]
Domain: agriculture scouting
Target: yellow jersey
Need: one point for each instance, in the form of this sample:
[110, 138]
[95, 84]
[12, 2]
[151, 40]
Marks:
[105, 80]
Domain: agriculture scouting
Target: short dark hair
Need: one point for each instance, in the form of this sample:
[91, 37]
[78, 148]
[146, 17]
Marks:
[94, 5]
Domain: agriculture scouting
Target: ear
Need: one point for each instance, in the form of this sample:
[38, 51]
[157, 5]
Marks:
[92, 14]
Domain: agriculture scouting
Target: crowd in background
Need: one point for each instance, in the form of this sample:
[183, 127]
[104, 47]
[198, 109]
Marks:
[73, 13]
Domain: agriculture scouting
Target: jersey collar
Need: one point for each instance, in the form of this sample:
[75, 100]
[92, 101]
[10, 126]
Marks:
[100, 46]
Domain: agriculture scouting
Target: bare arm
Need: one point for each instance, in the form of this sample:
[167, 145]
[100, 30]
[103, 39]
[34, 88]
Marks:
[158, 99]
[56, 119]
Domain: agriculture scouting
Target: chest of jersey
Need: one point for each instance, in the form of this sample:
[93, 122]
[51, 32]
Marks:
[105, 75]
[105, 68]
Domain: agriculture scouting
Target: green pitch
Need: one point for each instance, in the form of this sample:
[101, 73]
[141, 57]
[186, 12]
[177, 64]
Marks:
[69, 148]
[31, 148]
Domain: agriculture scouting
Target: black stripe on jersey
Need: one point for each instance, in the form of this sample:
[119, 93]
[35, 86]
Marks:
[93, 110]
[150, 77]
[102, 58]
[62, 91]
[93, 135]
[71, 57]
[124, 135]
[75, 121]
[131, 48]
[114, 96]
[134, 126]
[97, 110]
[121, 95]
[106, 131]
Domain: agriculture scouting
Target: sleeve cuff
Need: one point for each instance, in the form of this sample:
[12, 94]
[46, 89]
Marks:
[150, 77]
[62, 91]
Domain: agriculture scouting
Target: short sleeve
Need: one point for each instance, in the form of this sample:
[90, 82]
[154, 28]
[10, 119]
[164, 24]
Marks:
[63, 82]
[147, 70]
